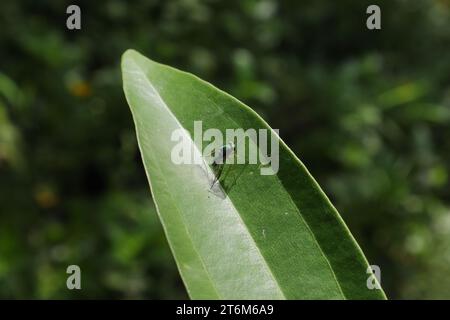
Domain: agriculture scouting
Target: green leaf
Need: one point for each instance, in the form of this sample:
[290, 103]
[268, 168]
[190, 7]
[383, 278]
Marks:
[267, 236]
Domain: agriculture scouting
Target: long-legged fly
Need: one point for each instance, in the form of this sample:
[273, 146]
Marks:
[220, 157]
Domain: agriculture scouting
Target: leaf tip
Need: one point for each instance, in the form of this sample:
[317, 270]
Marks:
[128, 55]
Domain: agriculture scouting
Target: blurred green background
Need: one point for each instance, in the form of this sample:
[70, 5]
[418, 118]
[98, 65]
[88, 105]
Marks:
[368, 112]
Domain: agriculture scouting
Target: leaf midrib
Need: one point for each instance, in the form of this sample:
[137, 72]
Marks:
[248, 234]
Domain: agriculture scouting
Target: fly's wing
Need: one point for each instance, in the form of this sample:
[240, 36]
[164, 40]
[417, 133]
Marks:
[224, 168]
[220, 166]
[217, 164]
[210, 173]
[218, 174]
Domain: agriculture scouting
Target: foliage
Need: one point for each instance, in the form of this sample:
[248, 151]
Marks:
[250, 236]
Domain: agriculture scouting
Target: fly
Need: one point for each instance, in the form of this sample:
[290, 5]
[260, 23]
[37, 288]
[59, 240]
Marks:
[220, 158]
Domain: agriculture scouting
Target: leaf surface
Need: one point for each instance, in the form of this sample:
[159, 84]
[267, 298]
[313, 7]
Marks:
[254, 236]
